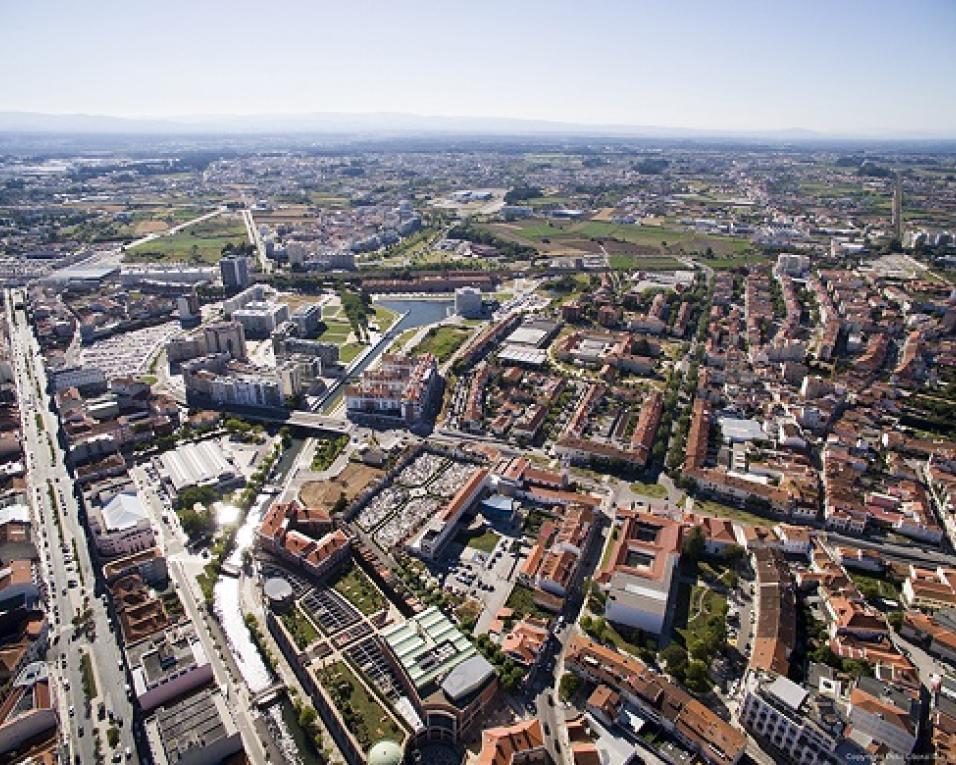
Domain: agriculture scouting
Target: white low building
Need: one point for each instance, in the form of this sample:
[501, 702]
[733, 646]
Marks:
[168, 665]
[122, 526]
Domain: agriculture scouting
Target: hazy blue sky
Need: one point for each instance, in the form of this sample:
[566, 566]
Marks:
[862, 67]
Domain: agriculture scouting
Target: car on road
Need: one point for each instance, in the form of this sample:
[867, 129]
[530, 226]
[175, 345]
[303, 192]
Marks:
[72, 711]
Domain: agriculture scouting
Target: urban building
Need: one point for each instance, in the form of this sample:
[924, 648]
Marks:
[194, 730]
[803, 725]
[402, 388]
[639, 576]
[260, 318]
[448, 681]
[167, 665]
[234, 270]
[468, 302]
[122, 526]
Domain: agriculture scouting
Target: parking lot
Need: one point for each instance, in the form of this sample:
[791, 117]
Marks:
[487, 577]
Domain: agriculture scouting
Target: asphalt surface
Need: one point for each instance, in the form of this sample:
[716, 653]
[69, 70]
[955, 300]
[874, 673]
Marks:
[45, 469]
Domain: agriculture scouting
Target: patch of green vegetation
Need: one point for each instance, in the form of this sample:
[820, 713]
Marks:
[300, 627]
[349, 351]
[605, 632]
[569, 686]
[200, 243]
[484, 541]
[875, 588]
[442, 342]
[325, 199]
[89, 681]
[326, 452]
[353, 585]
[654, 490]
[404, 337]
[196, 521]
[720, 510]
[363, 715]
[625, 262]
[609, 547]
[336, 331]
[385, 317]
[521, 601]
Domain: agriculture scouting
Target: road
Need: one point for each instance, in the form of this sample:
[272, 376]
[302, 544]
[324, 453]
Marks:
[45, 471]
[265, 265]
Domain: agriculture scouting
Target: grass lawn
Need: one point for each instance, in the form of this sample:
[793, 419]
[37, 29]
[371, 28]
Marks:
[323, 199]
[611, 635]
[704, 605]
[625, 262]
[720, 510]
[303, 631]
[336, 331]
[653, 490]
[521, 600]
[201, 243]
[349, 351]
[485, 541]
[442, 342]
[364, 716]
[867, 582]
[723, 264]
[385, 317]
[399, 342]
[353, 585]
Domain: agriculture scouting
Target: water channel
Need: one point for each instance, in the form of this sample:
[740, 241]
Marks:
[228, 608]
[227, 601]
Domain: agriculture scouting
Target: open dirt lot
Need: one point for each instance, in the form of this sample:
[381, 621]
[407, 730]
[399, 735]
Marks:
[350, 481]
[150, 227]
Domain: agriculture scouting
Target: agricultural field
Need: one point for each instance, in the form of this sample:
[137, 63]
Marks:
[126, 225]
[198, 244]
[627, 246]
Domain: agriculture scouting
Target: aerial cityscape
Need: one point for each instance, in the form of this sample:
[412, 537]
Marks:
[335, 433]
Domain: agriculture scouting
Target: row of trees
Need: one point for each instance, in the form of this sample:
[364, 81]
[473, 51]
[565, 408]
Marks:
[478, 236]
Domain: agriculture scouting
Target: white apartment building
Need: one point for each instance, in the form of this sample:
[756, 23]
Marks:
[167, 665]
[775, 709]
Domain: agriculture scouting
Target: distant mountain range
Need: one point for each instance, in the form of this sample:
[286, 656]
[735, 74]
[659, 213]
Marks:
[387, 124]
